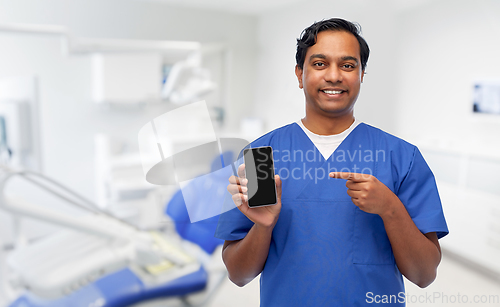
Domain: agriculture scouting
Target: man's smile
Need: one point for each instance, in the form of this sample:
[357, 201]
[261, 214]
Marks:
[333, 91]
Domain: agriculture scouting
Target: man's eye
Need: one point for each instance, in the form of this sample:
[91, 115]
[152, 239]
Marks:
[348, 66]
[319, 64]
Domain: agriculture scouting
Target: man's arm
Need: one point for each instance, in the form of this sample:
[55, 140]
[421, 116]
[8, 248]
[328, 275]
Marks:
[245, 258]
[417, 255]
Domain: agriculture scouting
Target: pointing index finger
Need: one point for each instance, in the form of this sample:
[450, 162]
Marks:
[356, 177]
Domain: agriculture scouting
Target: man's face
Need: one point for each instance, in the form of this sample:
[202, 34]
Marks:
[332, 75]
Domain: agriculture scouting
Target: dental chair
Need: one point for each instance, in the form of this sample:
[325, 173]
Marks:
[102, 262]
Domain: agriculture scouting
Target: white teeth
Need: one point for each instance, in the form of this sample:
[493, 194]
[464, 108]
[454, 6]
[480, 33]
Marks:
[332, 92]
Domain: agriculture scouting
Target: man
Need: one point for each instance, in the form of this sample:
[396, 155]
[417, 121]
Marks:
[342, 240]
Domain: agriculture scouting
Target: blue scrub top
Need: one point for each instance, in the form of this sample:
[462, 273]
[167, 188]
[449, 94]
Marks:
[325, 251]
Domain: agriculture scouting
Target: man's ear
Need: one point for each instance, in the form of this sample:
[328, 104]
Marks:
[362, 75]
[298, 73]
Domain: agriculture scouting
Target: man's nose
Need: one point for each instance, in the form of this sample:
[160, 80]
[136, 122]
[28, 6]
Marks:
[333, 74]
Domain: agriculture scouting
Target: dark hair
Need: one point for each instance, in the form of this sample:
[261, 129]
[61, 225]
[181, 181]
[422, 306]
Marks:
[308, 38]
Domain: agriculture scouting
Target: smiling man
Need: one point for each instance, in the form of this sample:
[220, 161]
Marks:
[346, 238]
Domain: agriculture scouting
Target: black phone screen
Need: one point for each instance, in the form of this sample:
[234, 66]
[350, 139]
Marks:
[259, 169]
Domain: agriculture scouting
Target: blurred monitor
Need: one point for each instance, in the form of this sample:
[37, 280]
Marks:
[487, 96]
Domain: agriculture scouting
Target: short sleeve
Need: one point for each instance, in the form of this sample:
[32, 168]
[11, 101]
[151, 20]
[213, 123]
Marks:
[419, 193]
[232, 225]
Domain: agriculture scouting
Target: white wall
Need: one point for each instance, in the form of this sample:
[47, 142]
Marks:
[278, 97]
[69, 119]
[442, 47]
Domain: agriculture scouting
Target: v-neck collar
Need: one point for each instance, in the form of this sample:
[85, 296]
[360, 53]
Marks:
[342, 144]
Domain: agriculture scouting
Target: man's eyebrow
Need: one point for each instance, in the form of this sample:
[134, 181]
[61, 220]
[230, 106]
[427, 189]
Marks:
[350, 58]
[317, 56]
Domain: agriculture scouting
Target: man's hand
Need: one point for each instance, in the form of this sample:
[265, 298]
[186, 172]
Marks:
[368, 193]
[263, 216]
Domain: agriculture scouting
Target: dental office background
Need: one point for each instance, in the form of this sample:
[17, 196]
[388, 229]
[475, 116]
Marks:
[92, 73]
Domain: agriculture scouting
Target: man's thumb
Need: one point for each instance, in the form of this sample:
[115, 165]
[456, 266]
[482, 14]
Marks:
[278, 186]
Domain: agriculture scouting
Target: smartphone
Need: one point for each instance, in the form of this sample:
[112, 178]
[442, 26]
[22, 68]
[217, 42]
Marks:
[259, 170]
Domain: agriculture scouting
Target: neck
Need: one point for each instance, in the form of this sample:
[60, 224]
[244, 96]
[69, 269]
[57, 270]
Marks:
[328, 126]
